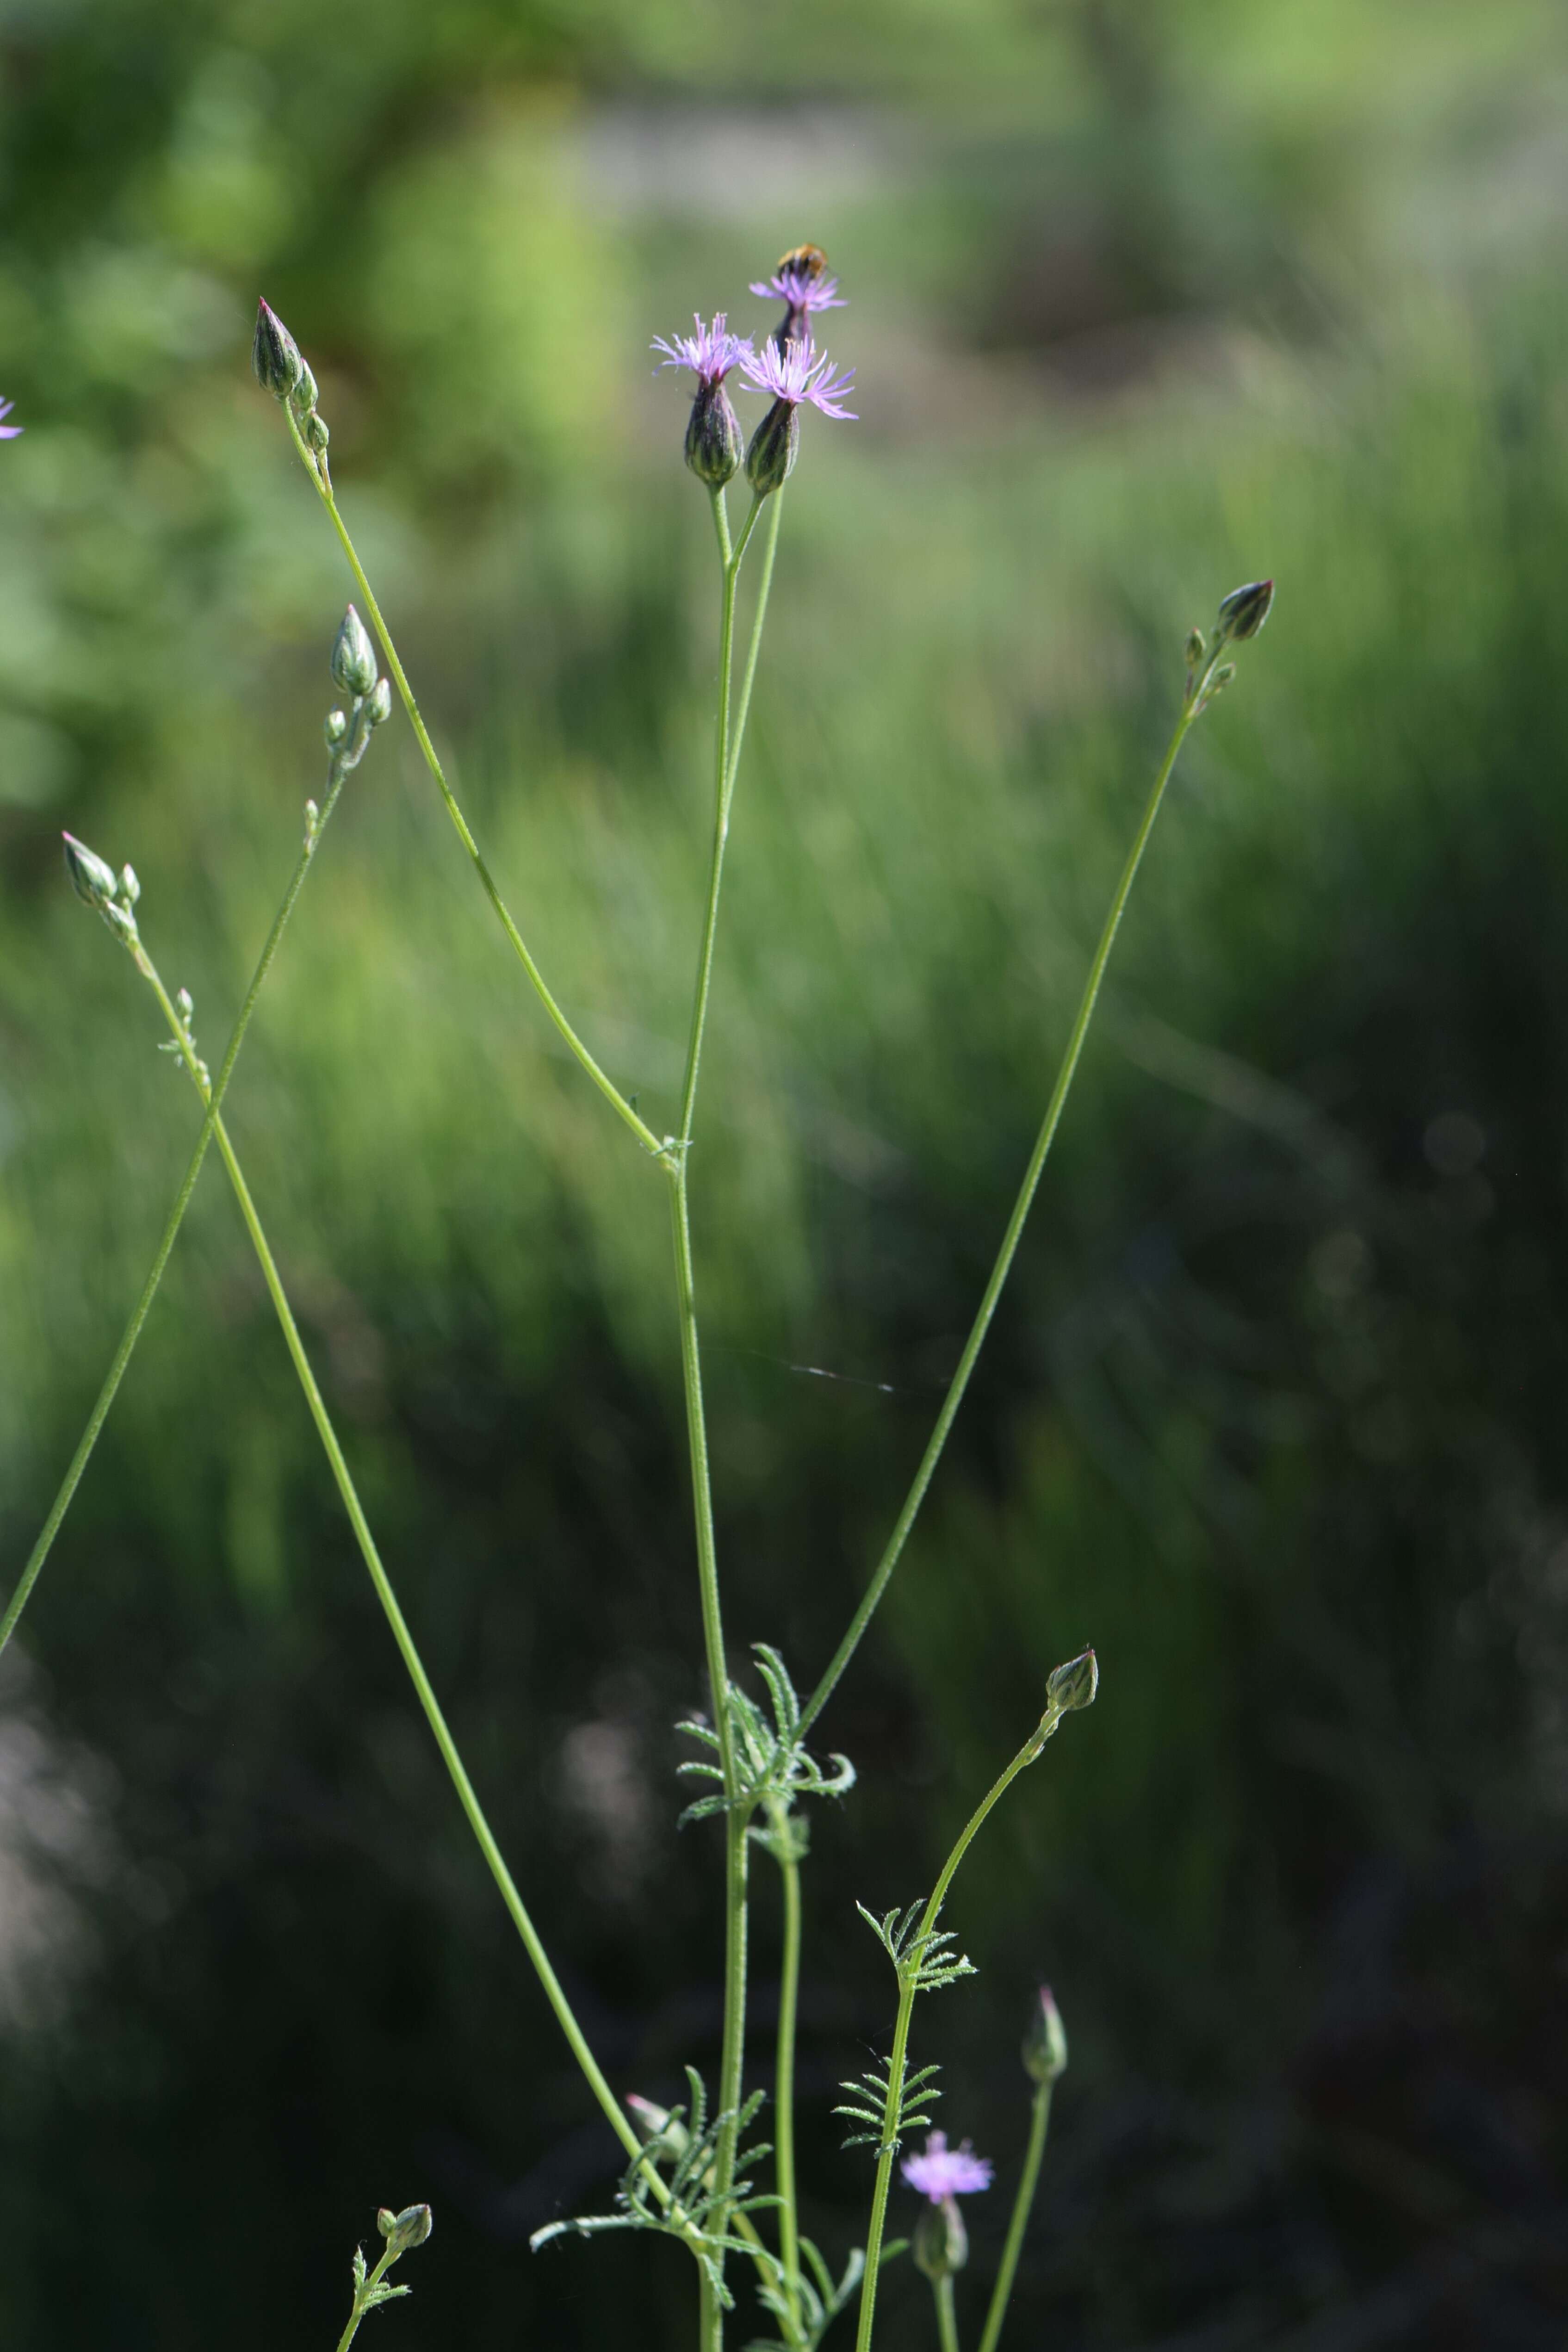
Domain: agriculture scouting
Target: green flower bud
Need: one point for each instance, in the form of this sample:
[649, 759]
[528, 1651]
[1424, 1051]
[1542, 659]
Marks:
[303, 394]
[1045, 2043]
[1073, 1685]
[1196, 648]
[275, 355]
[316, 432]
[92, 880]
[353, 656]
[775, 446]
[185, 1003]
[713, 436]
[941, 2243]
[130, 888]
[657, 2128]
[378, 704]
[120, 921]
[1245, 610]
[337, 727]
[409, 2228]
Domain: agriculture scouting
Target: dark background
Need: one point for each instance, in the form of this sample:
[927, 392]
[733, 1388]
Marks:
[1145, 301]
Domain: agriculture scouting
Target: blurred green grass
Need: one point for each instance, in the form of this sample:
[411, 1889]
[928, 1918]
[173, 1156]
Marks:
[1142, 308]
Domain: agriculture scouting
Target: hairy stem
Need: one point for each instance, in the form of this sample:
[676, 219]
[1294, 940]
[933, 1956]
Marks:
[468, 1798]
[908, 1986]
[138, 1313]
[605, 1084]
[1039, 2120]
[361, 2299]
[946, 2317]
[1015, 1226]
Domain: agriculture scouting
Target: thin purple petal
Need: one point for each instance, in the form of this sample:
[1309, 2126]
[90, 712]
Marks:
[710, 354]
[9, 432]
[945, 2171]
[799, 372]
[800, 289]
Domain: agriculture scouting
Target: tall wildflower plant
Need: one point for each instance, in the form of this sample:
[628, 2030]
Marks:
[693, 2172]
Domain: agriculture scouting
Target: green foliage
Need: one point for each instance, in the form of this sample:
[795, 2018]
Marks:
[1273, 1415]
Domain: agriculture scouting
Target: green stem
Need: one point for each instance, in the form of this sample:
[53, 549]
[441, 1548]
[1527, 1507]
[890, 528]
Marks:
[784, 2081]
[727, 757]
[620, 2123]
[1015, 1226]
[363, 2302]
[133, 1331]
[1038, 2122]
[908, 1986]
[727, 761]
[946, 2317]
[769, 549]
[605, 1084]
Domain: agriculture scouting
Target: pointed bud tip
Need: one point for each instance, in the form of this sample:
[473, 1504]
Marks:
[1044, 2049]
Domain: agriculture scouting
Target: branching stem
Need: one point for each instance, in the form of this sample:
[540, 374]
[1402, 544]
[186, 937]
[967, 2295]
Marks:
[1015, 1226]
[605, 1084]
[908, 1985]
[576, 2040]
[138, 1313]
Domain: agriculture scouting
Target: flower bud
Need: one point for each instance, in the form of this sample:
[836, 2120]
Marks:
[186, 1004]
[120, 921]
[1045, 2043]
[656, 2127]
[353, 656]
[941, 2243]
[409, 2228]
[303, 394]
[379, 706]
[92, 880]
[130, 888]
[713, 436]
[1073, 1685]
[1196, 648]
[275, 355]
[1245, 610]
[337, 727]
[775, 446]
[316, 432]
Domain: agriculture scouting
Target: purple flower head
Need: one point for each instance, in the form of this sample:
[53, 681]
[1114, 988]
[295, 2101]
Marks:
[8, 432]
[801, 285]
[799, 372]
[710, 354]
[945, 2171]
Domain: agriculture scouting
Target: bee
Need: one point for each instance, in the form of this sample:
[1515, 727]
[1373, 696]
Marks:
[806, 260]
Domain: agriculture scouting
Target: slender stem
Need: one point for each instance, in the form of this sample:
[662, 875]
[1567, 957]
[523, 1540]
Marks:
[139, 1313]
[784, 2080]
[361, 2299]
[908, 1986]
[468, 1799]
[702, 1488]
[727, 753]
[774, 504]
[1039, 2123]
[946, 2317]
[605, 1084]
[1015, 1226]
[723, 783]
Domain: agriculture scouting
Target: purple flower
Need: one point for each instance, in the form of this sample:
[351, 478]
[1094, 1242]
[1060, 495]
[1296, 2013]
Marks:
[801, 285]
[798, 372]
[710, 354]
[8, 432]
[945, 2171]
